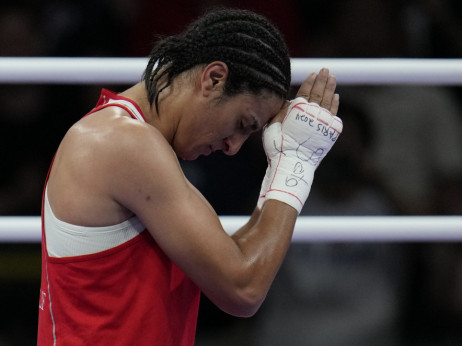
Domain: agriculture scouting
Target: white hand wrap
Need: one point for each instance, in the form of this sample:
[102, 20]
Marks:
[294, 149]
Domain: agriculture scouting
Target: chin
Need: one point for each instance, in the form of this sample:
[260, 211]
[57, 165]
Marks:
[193, 154]
[188, 156]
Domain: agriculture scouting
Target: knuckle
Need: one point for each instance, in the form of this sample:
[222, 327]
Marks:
[325, 104]
[315, 96]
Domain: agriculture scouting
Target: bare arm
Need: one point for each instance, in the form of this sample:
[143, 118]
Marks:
[316, 88]
[234, 272]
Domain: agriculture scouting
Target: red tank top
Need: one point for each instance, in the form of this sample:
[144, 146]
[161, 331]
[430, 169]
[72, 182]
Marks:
[131, 294]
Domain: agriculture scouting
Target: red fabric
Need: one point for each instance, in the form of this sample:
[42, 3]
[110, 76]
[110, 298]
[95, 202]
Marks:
[107, 95]
[132, 294]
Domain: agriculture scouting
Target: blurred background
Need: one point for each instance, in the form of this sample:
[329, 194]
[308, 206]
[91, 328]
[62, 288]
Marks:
[400, 154]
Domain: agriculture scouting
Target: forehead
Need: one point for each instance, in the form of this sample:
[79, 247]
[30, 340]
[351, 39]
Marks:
[261, 107]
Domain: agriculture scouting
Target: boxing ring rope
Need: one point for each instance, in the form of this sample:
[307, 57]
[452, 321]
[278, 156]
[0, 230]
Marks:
[129, 70]
[35, 70]
[307, 229]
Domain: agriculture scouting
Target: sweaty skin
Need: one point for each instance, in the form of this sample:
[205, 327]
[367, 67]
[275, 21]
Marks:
[110, 167]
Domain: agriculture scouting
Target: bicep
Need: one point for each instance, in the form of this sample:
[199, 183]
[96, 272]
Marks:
[152, 185]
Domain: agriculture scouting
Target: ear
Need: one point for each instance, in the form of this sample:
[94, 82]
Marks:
[213, 77]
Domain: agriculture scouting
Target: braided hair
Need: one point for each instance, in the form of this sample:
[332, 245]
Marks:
[251, 46]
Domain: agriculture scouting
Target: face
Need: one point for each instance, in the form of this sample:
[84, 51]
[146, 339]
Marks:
[224, 124]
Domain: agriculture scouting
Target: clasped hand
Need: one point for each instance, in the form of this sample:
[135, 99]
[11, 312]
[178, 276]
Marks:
[298, 138]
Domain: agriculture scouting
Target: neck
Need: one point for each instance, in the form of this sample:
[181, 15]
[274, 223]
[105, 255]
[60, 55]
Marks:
[164, 124]
[137, 93]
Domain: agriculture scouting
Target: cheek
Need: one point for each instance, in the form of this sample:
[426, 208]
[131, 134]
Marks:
[193, 140]
[208, 129]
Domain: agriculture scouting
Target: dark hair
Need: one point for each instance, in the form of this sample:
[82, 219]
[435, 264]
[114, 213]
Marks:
[251, 46]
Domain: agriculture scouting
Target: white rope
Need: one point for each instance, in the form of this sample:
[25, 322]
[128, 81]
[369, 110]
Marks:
[129, 70]
[347, 71]
[307, 229]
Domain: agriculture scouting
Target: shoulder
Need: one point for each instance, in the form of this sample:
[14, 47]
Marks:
[99, 162]
[110, 150]
[110, 132]
[105, 161]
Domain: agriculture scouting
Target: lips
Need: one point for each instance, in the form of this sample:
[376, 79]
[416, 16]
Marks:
[210, 149]
[207, 151]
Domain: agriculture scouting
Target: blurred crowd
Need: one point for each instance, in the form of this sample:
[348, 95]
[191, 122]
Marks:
[400, 154]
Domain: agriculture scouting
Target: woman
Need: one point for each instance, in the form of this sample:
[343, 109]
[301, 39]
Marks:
[128, 243]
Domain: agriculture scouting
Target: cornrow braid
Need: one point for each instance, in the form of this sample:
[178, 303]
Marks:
[251, 46]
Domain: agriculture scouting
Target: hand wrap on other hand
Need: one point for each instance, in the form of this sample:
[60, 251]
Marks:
[294, 149]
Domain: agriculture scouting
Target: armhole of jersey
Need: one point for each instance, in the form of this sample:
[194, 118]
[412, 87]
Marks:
[69, 240]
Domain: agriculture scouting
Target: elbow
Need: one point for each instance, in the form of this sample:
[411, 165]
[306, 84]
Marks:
[240, 300]
[244, 304]
[240, 307]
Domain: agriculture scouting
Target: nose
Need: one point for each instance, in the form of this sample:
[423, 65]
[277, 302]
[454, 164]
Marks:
[232, 144]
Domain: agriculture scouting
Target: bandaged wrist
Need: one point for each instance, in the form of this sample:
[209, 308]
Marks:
[294, 149]
[264, 188]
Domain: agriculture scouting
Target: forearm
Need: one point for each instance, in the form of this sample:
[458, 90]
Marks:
[294, 149]
[264, 247]
[272, 226]
[236, 272]
[250, 223]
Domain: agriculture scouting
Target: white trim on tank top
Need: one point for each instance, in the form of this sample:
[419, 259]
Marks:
[67, 240]
[129, 105]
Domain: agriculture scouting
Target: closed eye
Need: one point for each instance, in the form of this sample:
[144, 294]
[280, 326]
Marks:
[252, 127]
[255, 124]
